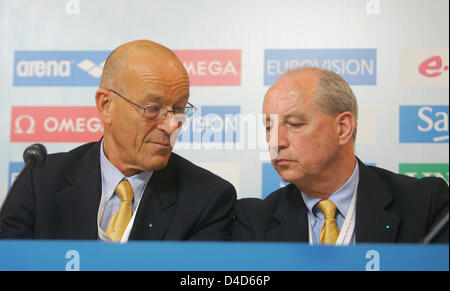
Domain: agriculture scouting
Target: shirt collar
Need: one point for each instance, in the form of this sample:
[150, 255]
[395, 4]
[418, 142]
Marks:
[111, 177]
[341, 198]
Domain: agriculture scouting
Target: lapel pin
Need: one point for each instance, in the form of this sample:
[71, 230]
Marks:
[150, 225]
[388, 226]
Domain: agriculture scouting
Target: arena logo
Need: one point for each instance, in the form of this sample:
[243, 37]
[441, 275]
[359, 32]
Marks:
[424, 124]
[212, 67]
[55, 124]
[425, 170]
[58, 68]
[211, 127]
[424, 66]
[356, 66]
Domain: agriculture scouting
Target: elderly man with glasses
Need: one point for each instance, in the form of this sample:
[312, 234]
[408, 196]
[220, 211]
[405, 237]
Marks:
[129, 185]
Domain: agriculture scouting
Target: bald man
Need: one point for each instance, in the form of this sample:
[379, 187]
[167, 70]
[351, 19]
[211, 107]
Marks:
[333, 198]
[129, 185]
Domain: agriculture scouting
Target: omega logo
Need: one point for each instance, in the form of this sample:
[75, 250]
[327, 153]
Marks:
[31, 127]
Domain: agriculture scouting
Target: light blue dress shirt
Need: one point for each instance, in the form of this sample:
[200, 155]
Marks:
[111, 177]
[342, 198]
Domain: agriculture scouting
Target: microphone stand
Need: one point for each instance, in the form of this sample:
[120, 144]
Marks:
[435, 231]
[34, 157]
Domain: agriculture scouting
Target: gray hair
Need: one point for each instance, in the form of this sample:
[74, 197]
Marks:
[335, 96]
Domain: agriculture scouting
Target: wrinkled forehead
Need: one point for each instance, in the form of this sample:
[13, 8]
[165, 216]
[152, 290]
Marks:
[290, 92]
[164, 65]
[136, 66]
[163, 76]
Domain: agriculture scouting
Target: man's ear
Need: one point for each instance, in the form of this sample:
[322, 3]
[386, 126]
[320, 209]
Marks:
[346, 124]
[103, 102]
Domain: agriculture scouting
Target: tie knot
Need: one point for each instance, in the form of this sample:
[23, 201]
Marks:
[328, 208]
[125, 191]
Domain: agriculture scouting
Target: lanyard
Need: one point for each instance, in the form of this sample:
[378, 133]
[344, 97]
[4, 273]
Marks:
[346, 233]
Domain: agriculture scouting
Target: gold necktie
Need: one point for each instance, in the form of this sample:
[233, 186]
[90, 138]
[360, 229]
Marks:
[330, 231]
[119, 221]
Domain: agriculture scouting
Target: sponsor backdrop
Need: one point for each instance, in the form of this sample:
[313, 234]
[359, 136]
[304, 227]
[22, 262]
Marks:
[394, 54]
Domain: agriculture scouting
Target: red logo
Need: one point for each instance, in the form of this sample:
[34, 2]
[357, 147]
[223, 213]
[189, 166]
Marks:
[212, 67]
[55, 124]
[432, 67]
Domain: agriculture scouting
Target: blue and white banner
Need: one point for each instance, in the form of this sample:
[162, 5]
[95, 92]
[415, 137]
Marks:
[58, 68]
[14, 170]
[212, 124]
[53, 53]
[423, 124]
[356, 66]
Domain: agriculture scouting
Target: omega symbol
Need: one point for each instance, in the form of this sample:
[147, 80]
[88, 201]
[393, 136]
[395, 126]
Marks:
[18, 129]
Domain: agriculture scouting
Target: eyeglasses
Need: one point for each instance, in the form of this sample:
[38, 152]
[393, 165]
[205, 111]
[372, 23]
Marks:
[159, 113]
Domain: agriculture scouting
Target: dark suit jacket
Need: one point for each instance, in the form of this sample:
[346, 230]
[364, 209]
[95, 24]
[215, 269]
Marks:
[390, 208]
[61, 201]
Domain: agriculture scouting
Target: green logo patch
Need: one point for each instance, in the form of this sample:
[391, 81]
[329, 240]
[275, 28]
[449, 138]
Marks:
[425, 170]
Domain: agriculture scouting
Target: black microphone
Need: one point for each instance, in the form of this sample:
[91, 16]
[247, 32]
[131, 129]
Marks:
[34, 156]
[438, 232]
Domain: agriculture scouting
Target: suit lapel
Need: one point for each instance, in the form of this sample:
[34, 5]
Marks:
[157, 206]
[290, 218]
[374, 223]
[79, 199]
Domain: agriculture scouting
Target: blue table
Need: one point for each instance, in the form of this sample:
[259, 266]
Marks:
[223, 256]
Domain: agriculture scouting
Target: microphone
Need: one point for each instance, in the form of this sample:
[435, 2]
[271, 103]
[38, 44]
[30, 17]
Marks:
[34, 156]
[437, 231]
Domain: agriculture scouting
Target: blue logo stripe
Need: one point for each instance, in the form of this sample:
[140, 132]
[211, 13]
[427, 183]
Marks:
[423, 124]
[356, 66]
[212, 124]
[58, 68]
[14, 170]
